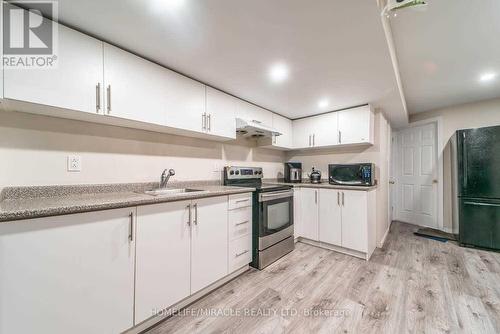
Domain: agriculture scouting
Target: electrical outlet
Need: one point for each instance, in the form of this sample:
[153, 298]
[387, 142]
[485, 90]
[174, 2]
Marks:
[74, 163]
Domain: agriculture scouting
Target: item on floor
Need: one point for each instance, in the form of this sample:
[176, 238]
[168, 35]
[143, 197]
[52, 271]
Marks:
[475, 165]
[361, 174]
[272, 227]
[293, 172]
[434, 234]
[315, 176]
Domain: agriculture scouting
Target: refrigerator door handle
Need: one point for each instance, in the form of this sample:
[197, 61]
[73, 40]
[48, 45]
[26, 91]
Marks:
[482, 204]
[464, 162]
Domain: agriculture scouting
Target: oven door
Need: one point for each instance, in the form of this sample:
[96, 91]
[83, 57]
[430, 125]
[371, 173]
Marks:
[275, 217]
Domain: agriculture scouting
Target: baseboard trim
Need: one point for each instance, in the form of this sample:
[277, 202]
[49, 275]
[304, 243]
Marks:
[169, 312]
[381, 243]
[334, 248]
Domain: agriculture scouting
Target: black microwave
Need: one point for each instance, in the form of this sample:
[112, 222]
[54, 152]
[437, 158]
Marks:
[352, 174]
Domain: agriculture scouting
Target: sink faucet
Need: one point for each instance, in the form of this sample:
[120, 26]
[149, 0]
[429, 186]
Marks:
[165, 176]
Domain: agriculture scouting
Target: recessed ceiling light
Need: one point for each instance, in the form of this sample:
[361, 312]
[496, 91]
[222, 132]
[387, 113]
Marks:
[487, 77]
[323, 103]
[278, 72]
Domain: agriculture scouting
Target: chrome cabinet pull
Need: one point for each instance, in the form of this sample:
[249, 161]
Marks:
[242, 200]
[98, 97]
[309, 140]
[196, 214]
[209, 122]
[131, 227]
[243, 223]
[340, 137]
[203, 121]
[314, 139]
[316, 196]
[338, 198]
[189, 211]
[109, 98]
[242, 253]
[342, 198]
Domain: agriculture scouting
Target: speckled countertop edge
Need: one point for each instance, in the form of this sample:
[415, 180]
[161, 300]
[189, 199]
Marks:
[18, 203]
[324, 185]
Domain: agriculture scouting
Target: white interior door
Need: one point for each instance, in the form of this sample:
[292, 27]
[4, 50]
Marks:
[416, 200]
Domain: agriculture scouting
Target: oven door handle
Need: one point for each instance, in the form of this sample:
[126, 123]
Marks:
[275, 195]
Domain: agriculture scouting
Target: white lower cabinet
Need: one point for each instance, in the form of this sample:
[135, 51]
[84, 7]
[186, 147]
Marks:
[343, 218]
[68, 274]
[240, 231]
[330, 217]
[163, 252]
[309, 213]
[209, 241]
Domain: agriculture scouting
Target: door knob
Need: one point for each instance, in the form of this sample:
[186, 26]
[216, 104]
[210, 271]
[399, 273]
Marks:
[434, 181]
[392, 182]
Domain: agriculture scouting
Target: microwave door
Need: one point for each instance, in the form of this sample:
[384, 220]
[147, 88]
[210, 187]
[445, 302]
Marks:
[347, 175]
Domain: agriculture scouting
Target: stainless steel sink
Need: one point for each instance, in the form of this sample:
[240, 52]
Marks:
[171, 191]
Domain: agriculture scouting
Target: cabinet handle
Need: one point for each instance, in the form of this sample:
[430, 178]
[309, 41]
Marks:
[242, 253]
[108, 90]
[242, 200]
[314, 139]
[210, 122]
[309, 140]
[189, 211]
[196, 214]
[316, 196]
[338, 198]
[204, 121]
[342, 198]
[340, 137]
[98, 97]
[242, 223]
[131, 227]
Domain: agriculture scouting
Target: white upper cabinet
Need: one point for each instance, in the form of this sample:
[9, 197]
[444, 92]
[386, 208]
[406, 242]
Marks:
[251, 112]
[68, 274]
[163, 257]
[302, 130]
[135, 88]
[220, 116]
[209, 241]
[325, 130]
[284, 126]
[75, 83]
[185, 102]
[356, 126]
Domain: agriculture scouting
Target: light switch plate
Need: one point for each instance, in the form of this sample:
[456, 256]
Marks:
[74, 163]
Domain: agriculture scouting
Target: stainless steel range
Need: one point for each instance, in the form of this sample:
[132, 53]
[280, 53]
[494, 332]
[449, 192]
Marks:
[272, 214]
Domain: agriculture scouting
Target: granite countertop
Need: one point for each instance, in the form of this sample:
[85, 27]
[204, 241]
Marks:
[324, 184]
[34, 202]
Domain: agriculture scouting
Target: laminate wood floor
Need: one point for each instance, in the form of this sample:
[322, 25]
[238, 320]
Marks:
[411, 285]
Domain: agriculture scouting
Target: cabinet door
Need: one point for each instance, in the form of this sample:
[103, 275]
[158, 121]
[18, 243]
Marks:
[251, 112]
[76, 83]
[209, 242]
[302, 131]
[325, 130]
[68, 274]
[283, 125]
[297, 213]
[134, 87]
[356, 125]
[163, 257]
[309, 213]
[355, 220]
[330, 217]
[221, 111]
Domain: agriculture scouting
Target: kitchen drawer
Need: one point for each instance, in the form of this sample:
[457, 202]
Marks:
[240, 252]
[240, 201]
[240, 222]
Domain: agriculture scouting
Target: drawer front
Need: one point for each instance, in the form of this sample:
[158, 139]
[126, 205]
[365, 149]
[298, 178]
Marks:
[240, 252]
[240, 222]
[240, 201]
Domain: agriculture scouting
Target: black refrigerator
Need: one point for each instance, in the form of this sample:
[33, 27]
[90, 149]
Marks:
[476, 166]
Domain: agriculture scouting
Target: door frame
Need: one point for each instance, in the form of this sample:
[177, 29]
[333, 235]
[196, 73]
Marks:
[438, 121]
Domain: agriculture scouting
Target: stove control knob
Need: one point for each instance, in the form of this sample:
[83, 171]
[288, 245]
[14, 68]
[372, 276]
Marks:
[256, 172]
[231, 172]
[237, 172]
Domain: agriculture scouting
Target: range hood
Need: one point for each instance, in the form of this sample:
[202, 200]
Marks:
[254, 129]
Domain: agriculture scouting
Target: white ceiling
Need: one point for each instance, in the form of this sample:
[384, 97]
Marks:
[444, 50]
[334, 49]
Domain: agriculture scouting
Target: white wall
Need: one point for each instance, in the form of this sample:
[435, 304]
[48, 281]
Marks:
[471, 115]
[378, 154]
[34, 150]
